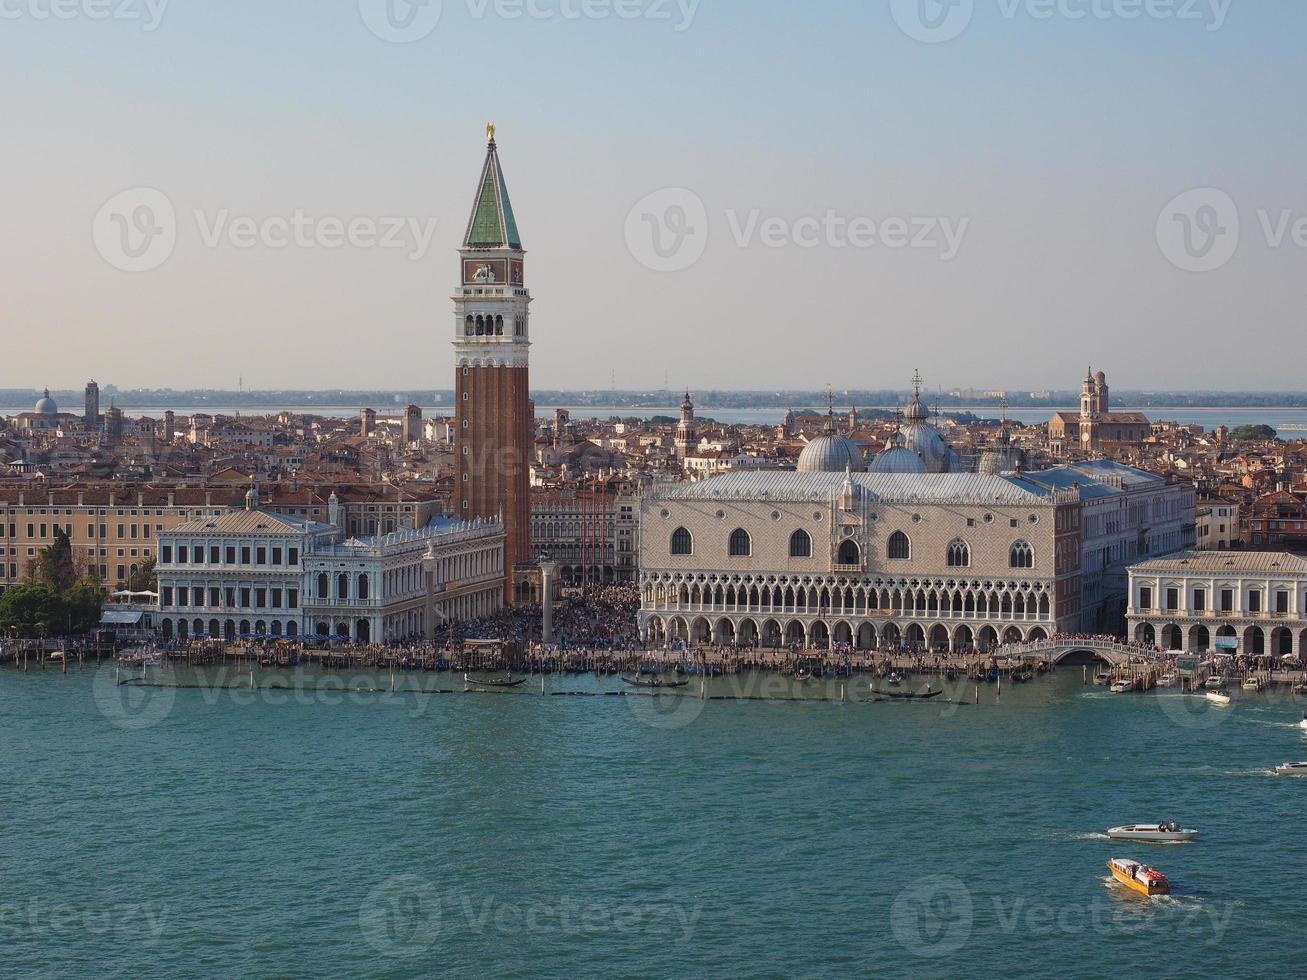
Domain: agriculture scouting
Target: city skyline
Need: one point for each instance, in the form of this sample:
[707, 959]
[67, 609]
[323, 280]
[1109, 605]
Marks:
[1027, 225]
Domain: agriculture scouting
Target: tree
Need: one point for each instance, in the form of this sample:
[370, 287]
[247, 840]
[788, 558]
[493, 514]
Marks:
[144, 579]
[1254, 433]
[32, 610]
[54, 567]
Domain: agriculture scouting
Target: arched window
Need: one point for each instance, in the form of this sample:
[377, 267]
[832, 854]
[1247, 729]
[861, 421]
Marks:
[322, 586]
[741, 546]
[682, 542]
[363, 586]
[469, 326]
[800, 544]
[959, 555]
[850, 553]
[342, 586]
[499, 326]
[900, 548]
[1023, 556]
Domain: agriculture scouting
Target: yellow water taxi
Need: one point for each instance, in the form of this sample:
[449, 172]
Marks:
[1139, 877]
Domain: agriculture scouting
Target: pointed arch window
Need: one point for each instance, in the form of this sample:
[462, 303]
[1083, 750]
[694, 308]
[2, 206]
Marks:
[900, 548]
[741, 543]
[959, 554]
[682, 542]
[850, 553]
[800, 544]
[1022, 556]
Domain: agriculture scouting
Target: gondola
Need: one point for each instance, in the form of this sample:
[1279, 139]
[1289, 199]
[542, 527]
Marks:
[902, 696]
[509, 682]
[653, 683]
[1023, 674]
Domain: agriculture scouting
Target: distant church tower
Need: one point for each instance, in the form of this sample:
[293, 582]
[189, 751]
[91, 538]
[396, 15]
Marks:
[92, 414]
[685, 429]
[495, 427]
[1093, 408]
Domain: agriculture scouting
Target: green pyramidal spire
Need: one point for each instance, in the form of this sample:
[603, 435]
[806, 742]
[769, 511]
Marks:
[492, 224]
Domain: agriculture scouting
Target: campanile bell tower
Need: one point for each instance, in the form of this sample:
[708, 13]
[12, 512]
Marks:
[495, 426]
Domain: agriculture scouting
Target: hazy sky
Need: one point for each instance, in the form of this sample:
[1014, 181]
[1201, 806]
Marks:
[996, 208]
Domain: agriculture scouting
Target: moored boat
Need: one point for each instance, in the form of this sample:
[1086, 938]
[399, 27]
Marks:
[1219, 698]
[1138, 877]
[1152, 833]
[497, 682]
[904, 696]
[1169, 679]
[1252, 683]
[1215, 683]
[1303, 723]
[1122, 687]
[1102, 679]
[895, 679]
[653, 683]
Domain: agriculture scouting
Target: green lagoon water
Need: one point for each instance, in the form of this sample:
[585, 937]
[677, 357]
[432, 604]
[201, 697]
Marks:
[216, 833]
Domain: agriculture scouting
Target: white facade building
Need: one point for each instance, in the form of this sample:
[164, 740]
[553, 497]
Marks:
[1249, 603]
[254, 573]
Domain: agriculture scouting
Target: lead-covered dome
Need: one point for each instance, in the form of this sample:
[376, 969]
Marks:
[46, 405]
[832, 453]
[898, 460]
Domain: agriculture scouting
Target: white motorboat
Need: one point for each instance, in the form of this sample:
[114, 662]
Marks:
[1219, 698]
[1303, 723]
[1169, 679]
[1292, 769]
[1214, 683]
[1153, 833]
[1122, 687]
[1252, 683]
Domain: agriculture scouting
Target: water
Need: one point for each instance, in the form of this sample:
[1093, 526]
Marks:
[213, 833]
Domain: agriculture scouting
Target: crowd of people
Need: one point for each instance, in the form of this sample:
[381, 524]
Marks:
[602, 619]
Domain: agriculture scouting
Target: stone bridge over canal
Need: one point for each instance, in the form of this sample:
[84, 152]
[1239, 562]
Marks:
[1057, 650]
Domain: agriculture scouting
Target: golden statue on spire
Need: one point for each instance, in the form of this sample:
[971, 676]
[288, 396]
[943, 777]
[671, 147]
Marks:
[490, 131]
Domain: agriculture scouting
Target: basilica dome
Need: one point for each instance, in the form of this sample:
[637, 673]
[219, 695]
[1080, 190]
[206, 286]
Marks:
[923, 441]
[898, 460]
[832, 453]
[46, 405]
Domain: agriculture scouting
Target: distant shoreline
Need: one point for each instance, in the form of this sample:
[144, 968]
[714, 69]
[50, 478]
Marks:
[383, 408]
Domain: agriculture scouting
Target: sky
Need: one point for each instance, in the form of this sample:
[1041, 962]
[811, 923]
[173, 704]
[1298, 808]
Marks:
[745, 194]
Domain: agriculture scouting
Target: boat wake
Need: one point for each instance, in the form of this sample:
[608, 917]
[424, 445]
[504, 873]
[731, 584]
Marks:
[1091, 837]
